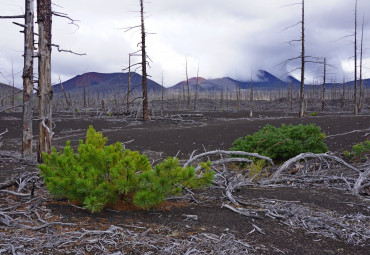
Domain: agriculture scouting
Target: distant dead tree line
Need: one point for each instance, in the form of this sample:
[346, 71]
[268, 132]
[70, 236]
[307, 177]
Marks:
[236, 100]
[358, 93]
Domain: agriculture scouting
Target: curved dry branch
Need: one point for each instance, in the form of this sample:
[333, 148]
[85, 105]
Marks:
[358, 184]
[304, 156]
[223, 152]
[227, 160]
[1, 134]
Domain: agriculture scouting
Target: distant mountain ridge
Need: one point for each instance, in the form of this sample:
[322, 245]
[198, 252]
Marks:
[265, 80]
[105, 83]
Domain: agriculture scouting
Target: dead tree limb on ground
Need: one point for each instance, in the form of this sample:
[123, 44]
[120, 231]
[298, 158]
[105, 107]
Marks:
[303, 156]
[223, 152]
[360, 183]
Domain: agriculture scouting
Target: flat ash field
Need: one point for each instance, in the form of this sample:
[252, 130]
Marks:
[315, 209]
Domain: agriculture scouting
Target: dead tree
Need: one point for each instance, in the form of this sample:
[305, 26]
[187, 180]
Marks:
[197, 89]
[45, 90]
[64, 94]
[84, 90]
[343, 95]
[301, 92]
[323, 88]
[251, 100]
[143, 64]
[302, 57]
[187, 83]
[27, 74]
[361, 96]
[128, 85]
[162, 94]
[13, 89]
[355, 109]
[238, 97]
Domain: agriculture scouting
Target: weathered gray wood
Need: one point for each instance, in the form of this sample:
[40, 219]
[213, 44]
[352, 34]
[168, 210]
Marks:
[45, 91]
[143, 64]
[28, 79]
[301, 91]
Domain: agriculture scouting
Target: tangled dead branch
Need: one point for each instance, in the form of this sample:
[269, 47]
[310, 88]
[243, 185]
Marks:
[29, 227]
[323, 168]
[228, 153]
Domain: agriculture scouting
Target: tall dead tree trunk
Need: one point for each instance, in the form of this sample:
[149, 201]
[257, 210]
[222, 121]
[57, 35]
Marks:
[323, 88]
[28, 79]
[13, 90]
[251, 100]
[84, 90]
[45, 91]
[143, 64]
[187, 84]
[162, 94]
[68, 102]
[343, 95]
[196, 89]
[355, 109]
[301, 92]
[361, 97]
[128, 85]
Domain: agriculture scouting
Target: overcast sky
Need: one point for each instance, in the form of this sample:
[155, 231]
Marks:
[231, 38]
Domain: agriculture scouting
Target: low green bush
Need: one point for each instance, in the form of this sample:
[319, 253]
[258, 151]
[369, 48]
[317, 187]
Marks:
[359, 151]
[313, 114]
[98, 175]
[284, 142]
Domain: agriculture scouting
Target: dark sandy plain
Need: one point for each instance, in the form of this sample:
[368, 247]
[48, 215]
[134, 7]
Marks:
[198, 222]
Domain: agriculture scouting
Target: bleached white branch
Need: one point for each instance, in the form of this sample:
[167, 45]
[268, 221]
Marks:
[220, 152]
[304, 156]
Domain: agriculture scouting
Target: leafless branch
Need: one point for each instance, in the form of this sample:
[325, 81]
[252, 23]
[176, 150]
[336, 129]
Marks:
[12, 17]
[299, 22]
[18, 24]
[69, 51]
[65, 16]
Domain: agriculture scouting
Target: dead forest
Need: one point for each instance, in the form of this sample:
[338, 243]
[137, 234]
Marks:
[310, 203]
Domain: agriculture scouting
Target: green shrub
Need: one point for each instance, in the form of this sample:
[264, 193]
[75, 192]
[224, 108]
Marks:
[313, 114]
[359, 151]
[256, 170]
[284, 142]
[98, 175]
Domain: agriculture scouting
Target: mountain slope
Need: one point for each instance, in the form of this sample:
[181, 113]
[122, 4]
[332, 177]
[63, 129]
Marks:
[105, 83]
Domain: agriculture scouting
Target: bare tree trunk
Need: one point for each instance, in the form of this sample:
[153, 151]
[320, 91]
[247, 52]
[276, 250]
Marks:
[28, 79]
[187, 83]
[64, 94]
[143, 64]
[128, 85]
[162, 93]
[84, 90]
[13, 94]
[360, 103]
[301, 92]
[196, 89]
[251, 100]
[343, 94]
[45, 92]
[323, 88]
[355, 56]
[237, 98]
